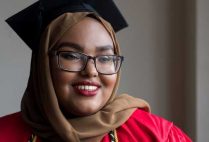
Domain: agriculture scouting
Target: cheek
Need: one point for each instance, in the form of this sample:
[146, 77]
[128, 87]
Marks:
[109, 82]
[61, 80]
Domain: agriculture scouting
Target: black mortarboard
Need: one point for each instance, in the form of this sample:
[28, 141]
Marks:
[30, 22]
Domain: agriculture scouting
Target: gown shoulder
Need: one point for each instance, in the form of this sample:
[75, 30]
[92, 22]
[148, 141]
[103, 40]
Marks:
[14, 129]
[146, 127]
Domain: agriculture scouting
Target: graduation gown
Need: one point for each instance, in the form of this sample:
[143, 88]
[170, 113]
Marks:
[140, 127]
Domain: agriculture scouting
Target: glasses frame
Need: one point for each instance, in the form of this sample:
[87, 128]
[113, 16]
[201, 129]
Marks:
[57, 53]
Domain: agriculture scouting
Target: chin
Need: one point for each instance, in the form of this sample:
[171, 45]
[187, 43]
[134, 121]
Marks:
[86, 112]
[80, 113]
[86, 109]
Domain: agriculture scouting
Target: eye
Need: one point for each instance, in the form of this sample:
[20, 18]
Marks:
[105, 59]
[71, 56]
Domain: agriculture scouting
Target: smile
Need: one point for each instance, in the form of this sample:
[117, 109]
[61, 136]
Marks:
[86, 88]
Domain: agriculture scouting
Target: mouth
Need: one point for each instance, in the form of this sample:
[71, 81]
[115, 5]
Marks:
[86, 88]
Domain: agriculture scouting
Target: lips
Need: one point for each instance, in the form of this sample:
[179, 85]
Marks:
[86, 88]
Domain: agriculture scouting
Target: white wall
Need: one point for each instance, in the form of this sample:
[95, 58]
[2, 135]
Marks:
[202, 71]
[14, 60]
[145, 46]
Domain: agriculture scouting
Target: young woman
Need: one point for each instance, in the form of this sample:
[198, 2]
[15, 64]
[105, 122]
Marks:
[75, 70]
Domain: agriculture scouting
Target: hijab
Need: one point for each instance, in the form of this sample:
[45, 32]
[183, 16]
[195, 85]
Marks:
[40, 108]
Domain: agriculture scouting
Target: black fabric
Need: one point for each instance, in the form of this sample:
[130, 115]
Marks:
[30, 22]
[27, 25]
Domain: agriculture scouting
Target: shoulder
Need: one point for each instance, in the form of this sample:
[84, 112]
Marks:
[145, 126]
[150, 120]
[13, 128]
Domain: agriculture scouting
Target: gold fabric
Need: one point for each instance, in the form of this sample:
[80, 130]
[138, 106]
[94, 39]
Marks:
[40, 106]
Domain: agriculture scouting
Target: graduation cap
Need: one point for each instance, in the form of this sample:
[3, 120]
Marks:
[30, 22]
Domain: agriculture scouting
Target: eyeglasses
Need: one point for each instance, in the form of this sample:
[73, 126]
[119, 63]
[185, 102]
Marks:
[75, 62]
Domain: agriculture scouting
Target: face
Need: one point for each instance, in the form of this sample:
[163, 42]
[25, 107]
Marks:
[86, 92]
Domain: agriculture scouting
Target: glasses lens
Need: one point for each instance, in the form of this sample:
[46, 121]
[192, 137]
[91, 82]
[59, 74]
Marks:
[108, 64]
[71, 61]
[74, 61]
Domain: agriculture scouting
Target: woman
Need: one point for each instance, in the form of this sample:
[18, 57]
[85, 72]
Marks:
[73, 80]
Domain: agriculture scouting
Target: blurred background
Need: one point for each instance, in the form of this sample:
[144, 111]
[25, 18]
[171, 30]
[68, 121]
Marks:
[166, 49]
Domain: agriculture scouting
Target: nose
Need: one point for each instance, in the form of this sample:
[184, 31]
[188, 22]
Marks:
[90, 69]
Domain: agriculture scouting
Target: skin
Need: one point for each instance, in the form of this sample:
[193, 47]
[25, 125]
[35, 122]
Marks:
[91, 38]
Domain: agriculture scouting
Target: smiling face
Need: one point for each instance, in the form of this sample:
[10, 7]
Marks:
[85, 92]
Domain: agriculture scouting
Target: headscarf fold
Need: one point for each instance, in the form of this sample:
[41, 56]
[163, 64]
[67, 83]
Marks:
[40, 108]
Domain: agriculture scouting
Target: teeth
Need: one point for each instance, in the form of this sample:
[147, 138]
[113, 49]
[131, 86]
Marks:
[87, 87]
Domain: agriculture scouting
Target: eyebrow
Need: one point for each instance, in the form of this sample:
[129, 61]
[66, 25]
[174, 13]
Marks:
[80, 48]
[70, 45]
[105, 48]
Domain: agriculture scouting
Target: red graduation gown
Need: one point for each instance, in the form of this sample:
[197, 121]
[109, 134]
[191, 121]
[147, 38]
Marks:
[140, 127]
[146, 127]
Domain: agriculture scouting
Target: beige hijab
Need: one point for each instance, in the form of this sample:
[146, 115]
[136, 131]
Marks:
[40, 107]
